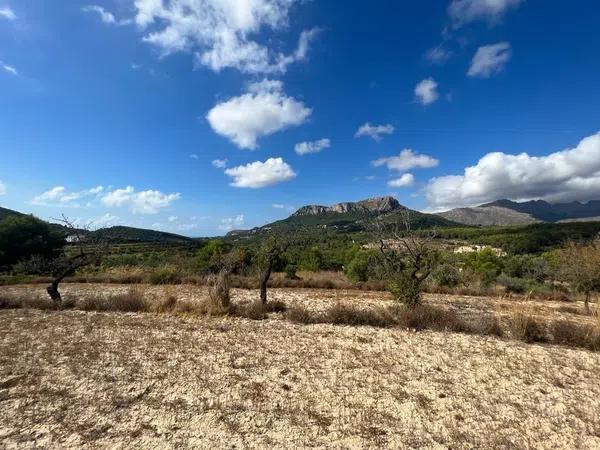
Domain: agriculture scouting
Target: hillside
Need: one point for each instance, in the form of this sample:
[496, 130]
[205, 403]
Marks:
[123, 234]
[488, 216]
[348, 217]
[5, 212]
[117, 234]
[506, 212]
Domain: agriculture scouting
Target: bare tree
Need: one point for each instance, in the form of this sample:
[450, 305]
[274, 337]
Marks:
[87, 250]
[267, 257]
[407, 259]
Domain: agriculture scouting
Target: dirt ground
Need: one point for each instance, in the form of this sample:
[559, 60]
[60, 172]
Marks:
[73, 379]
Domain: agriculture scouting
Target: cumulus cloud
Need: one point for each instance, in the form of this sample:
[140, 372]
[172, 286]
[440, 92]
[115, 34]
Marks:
[9, 69]
[405, 180]
[490, 59]
[462, 12]
[230, 223]
[144, 202]
[3, 188]
[60, 197]
[7, 13]
[219, 163]
[438, 55]
[222, 34]
[103, 221]
[107, 17]
[262, 111]
[406, 160]
[375, 132]
[303, 148]
[261, 174]
[426, 91]
[567, 175]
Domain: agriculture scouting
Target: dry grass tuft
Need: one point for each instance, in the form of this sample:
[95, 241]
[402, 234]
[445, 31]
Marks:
[219, 288]
[133, 300]
[343, 314]
[565, 332]
[524, 326]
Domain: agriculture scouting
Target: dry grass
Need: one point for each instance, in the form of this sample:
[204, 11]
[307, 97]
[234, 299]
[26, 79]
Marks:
[76, 380]
[525, 326]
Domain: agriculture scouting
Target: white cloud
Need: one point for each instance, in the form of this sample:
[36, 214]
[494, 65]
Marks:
[406, 160]
[261, 174]
[7, 13]
[144, 202]
[59, 197]
[9, 69]
[374, 131]
[438, 55]
[278, 206]
[264, 110]
[462, 12]
[426, 91]
[219, 163]
[107, 17]
[304, 148]
[230, 223]
[194, 156]
[571, 174]
[3, 188]
[103, 221]
[172, 219]
[221, 33]
[490, 59]
[405, 180]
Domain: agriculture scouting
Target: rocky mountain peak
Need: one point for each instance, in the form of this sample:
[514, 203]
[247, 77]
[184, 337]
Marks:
[377, 205]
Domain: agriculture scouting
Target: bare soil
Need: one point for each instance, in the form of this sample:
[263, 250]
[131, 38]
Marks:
[72, 379]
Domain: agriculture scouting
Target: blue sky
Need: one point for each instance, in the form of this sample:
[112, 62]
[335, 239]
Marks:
[198, 116]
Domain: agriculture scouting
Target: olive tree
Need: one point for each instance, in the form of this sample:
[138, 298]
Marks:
[580, 267]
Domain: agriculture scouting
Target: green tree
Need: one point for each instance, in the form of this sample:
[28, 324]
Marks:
[22, 237]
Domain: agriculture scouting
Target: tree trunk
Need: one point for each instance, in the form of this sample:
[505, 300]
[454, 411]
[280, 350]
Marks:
[263, 285]
[587, 302]
[53, 292]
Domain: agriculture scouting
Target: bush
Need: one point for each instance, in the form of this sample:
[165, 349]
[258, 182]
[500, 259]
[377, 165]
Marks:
[405, 289]
[513, 285]
[219, 291]
[358, 269]
[446, 275]
[24, 236]
[290, 271]
[569, 333]
[299, 314]
[165, 275]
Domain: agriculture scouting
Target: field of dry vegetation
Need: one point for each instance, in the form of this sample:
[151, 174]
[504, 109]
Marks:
[151, 367]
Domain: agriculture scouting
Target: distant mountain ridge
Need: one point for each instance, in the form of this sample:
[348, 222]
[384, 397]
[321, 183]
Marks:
[377, 205]
[508, 212]
[347, 217]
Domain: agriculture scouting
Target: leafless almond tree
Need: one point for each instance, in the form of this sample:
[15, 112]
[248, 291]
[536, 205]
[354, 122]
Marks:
[407, 258]
[86, 250]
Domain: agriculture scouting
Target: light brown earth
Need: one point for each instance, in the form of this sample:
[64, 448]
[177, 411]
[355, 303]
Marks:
[74, 379]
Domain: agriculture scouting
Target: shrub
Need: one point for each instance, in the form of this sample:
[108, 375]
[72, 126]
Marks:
[358, 269]
[219, 291]
[165, 275]
[446, 275]
[405, 289]
[514, 285]
[290, 271]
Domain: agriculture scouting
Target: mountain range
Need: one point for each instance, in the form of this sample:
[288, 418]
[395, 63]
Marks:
[508, 212]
